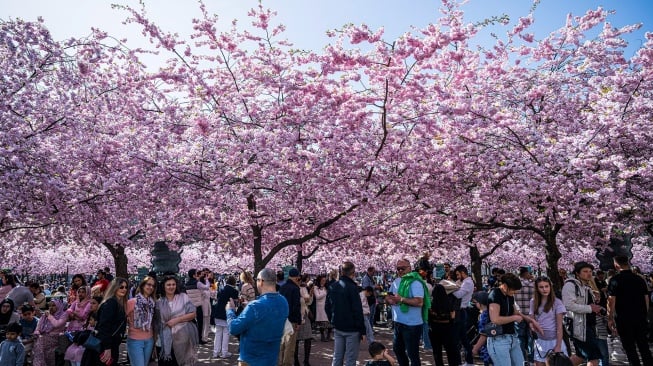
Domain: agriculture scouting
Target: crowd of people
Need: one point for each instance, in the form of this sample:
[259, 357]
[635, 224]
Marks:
[511, 319]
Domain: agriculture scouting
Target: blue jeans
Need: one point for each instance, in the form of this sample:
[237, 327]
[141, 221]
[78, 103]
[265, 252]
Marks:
[525, 340]
[460, 334]
[139, 351]
[369, 332]
[345, 348]
[505, 350]
[405, 343]
[372, 314]
[425, 337]
[603, 348]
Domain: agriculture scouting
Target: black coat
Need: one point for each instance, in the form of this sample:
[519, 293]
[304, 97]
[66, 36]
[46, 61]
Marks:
[345, 306]
[290, 291]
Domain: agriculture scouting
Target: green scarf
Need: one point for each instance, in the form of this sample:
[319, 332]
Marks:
[404, 291]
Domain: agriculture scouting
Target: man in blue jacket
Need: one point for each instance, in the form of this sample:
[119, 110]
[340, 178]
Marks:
[261, 323]
[346, 317]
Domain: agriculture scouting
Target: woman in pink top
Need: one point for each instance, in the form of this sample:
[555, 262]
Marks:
[50, 326]
[140, 311]
[79, 309]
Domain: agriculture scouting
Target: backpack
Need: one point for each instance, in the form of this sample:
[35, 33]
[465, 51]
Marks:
[568, 321]
[443, 307]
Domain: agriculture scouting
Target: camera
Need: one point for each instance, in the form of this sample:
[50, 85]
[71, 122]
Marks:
[603, 312]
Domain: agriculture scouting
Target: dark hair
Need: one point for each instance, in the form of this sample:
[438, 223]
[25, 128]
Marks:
[280, 276]
[621, 260]
[97, 299]
[370, 269]
[513, 282]
[81, 276]
[174, 278]
[34, 285]
[192, 272]
[461, 268]
[557, 359]
[318, 280]
[579, 266]
[14, 327]
[25, 308]
[375, 348]
[231, 280]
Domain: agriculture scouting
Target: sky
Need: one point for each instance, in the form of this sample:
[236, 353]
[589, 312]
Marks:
[307, 21]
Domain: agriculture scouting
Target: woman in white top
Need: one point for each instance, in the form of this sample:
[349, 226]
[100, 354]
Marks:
[321, 319]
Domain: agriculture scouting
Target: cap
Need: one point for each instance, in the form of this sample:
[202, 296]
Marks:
[480, 297]
[293, 272]
[578, 266]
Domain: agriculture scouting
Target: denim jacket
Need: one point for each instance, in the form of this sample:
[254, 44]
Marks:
[260, 327]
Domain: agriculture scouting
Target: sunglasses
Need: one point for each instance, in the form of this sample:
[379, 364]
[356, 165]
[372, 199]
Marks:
[122, 287]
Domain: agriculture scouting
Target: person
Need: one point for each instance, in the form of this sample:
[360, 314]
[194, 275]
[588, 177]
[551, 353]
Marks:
[578, 298]
[12, 351]
[480, 300]
[7, 283]
[346, 311]
[364, 294]
[7, 316]
[79, 309]
[40, 301]
[174, 314]
[204, 286]
[78, 281]
[195, 295]
[321, 317]
[628, 304]
[260, 325]
[107, 274]
[380, 355]
[440, 320]
[549, 311]
[111, 324]
[462, 321]
[29, 323]
[290, 290]
[247, 288]
[369, 281]
[95, 302]
[21, 295]
[504, 349]
[101, 282]
[410, 304]
[46, 335]
[140, 319]
[221, 342]
[523, 299]
[305, 332]
[423, 267]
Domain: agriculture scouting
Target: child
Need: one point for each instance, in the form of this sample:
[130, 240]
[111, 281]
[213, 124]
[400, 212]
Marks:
[75, 351]
[29, 322]
[480, 299]
[548, 310]
[12, 351]
[380, 356]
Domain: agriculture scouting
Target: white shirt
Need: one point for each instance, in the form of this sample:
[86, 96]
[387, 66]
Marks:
[465, 292]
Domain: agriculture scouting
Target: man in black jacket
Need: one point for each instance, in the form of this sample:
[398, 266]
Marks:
[346, 316]
[290, 290]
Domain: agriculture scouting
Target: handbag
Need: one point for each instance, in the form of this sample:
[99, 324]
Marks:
[493, 329]
[94, 344]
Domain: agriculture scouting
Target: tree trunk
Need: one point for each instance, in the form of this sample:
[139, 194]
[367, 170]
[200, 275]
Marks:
[300, 260]
[477, 262]
[552, 256]
[119, 259]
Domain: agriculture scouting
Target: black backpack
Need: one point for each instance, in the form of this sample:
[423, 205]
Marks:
[442, 305]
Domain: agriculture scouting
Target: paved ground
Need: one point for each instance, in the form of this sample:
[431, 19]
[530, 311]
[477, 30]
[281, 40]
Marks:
[321, 352]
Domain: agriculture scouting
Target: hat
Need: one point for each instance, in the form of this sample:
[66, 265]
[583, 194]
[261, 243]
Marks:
[293, 272]
[578, 266]
[481, 297]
